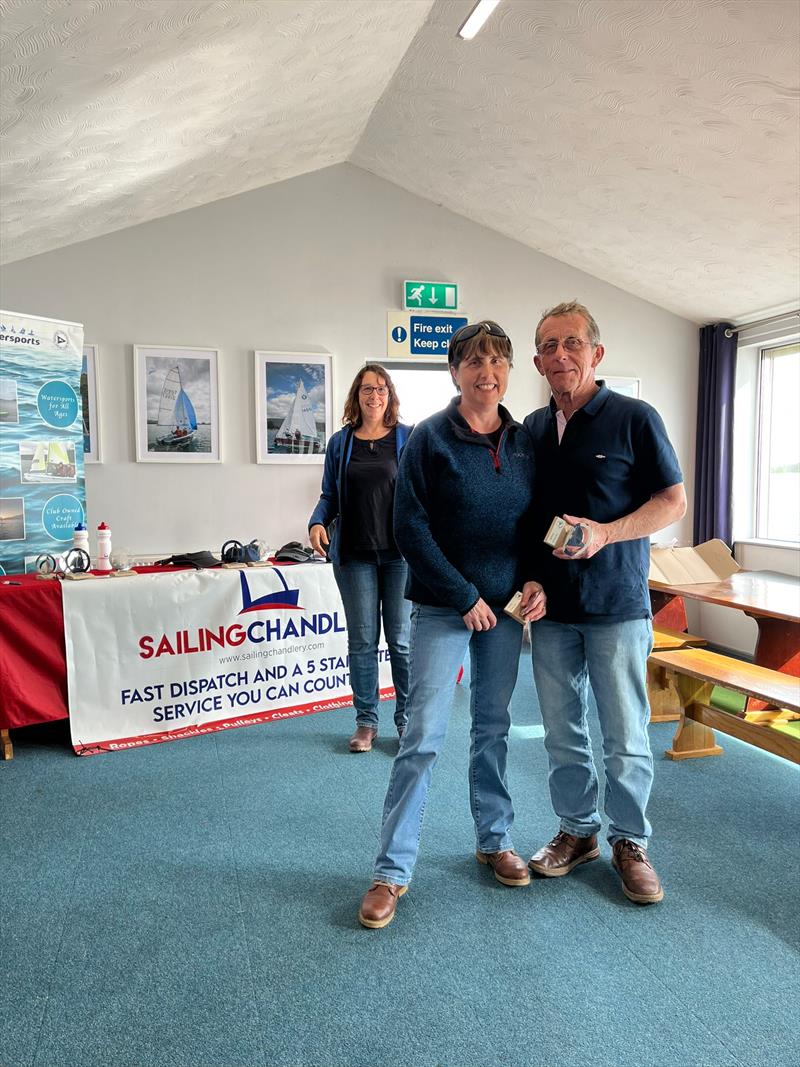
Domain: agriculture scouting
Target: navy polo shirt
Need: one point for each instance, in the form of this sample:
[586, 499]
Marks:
[614, 455]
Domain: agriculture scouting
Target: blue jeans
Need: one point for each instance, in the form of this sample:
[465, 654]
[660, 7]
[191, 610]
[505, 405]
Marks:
[371, 589]
[612, 658]
[439, 642]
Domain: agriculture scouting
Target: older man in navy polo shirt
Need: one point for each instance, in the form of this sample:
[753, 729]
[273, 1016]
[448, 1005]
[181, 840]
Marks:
[602, 460]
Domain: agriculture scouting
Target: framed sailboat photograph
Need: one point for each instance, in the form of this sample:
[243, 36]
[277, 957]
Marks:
[293, 406]
[177, 404]
[89, 406]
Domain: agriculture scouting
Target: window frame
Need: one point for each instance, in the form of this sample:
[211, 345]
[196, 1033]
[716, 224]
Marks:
[763, 439]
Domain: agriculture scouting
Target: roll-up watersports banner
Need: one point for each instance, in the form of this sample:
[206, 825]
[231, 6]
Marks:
[42, 488]
[158, 657]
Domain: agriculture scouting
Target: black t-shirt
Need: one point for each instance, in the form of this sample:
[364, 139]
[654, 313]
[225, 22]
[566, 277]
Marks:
[371, 477]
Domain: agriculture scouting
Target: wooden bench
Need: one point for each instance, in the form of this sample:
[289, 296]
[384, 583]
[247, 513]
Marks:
[665, 705]
[665, 640]
[696, 671]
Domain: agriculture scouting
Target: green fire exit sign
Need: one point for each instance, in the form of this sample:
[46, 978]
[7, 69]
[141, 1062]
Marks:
[434, 295]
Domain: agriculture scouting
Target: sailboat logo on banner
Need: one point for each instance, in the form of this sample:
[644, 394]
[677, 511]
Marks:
[284, 598]
[175, 411]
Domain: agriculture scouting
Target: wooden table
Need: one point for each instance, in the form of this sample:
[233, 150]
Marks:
[772, 599]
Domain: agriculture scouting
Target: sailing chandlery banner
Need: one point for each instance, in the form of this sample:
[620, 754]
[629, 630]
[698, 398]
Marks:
[42, 496]
[158, 657]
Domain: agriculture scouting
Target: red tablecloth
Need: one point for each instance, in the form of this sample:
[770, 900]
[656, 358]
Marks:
[33, 666]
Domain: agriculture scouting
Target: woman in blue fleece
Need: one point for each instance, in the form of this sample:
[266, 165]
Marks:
[358, 492]
[462, 502]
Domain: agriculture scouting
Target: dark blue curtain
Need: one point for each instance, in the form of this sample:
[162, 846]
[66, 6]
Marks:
[714, 454]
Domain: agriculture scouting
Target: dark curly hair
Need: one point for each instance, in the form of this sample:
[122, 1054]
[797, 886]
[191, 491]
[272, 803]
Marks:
[352, 409]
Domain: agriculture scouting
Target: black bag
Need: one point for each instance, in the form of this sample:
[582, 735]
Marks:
[198, 560]
[235, 552]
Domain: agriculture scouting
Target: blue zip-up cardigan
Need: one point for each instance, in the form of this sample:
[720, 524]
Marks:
[462, 512]
[332, 503]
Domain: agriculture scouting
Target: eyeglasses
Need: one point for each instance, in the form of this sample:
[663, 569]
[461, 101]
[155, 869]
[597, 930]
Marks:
[368, 390]
[569, 344]
[472, 330]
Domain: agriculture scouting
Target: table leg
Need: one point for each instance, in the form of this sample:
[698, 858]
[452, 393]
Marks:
[668, 610]
[6, 750]
[692, 739]
[665, 705]
[777, 647]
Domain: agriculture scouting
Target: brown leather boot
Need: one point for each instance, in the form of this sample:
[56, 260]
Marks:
[564, 852]
[508, 867]
[362, 739]
[379, 904]
[639, 880]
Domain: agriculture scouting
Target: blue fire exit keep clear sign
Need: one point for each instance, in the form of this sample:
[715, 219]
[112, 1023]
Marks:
[431, 335]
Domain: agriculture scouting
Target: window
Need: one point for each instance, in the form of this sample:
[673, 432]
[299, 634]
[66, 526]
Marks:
[422, 388]
[778, 460]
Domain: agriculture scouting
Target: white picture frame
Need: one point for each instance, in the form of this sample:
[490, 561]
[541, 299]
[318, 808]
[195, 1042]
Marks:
[625, 386]
[177, 404]
[92, 448]
[292, 391]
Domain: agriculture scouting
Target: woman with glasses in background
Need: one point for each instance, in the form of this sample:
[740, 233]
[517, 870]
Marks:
[462, 507]
[355, 509]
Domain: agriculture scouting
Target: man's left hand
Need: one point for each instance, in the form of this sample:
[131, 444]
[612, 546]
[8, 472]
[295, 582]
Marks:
[598, 536]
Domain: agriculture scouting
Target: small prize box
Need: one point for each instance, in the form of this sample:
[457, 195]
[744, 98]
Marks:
[512, 608]
[559, 533]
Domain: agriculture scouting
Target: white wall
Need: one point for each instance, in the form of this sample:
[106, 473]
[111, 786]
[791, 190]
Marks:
[308, 264]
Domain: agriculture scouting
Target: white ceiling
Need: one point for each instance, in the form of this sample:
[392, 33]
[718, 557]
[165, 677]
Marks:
[652, 143]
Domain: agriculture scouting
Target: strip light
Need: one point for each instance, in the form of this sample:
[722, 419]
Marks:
[476, 18]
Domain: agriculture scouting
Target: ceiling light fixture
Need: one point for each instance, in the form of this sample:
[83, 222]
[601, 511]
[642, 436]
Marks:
[477, 17]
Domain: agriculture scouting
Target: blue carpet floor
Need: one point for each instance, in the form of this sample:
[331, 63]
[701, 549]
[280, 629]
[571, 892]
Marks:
[195, 904]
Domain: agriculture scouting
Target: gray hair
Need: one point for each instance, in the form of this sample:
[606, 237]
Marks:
[571, 307]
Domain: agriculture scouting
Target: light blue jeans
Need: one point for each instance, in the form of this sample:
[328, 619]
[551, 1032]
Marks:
[612, 658]
[372, 589]
[439, 643]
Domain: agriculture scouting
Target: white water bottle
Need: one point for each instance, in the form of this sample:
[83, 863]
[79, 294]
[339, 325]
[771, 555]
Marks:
[80, 537]
[103, 562]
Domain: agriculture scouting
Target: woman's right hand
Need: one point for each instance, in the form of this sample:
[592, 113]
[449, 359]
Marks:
[480, 617]
[318, 536]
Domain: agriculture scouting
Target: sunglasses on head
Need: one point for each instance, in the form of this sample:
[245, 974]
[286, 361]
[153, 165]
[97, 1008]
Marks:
[472, 330]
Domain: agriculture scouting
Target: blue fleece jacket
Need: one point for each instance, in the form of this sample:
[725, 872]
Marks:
[462, 511]
[332, 503]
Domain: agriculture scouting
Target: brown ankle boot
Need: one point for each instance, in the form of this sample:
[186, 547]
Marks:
[564, 852]
[508, 867]
[639, 880]
[362, 739]
[379, 904]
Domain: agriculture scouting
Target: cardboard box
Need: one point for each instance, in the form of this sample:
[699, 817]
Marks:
[512, 608]
[710, 562]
